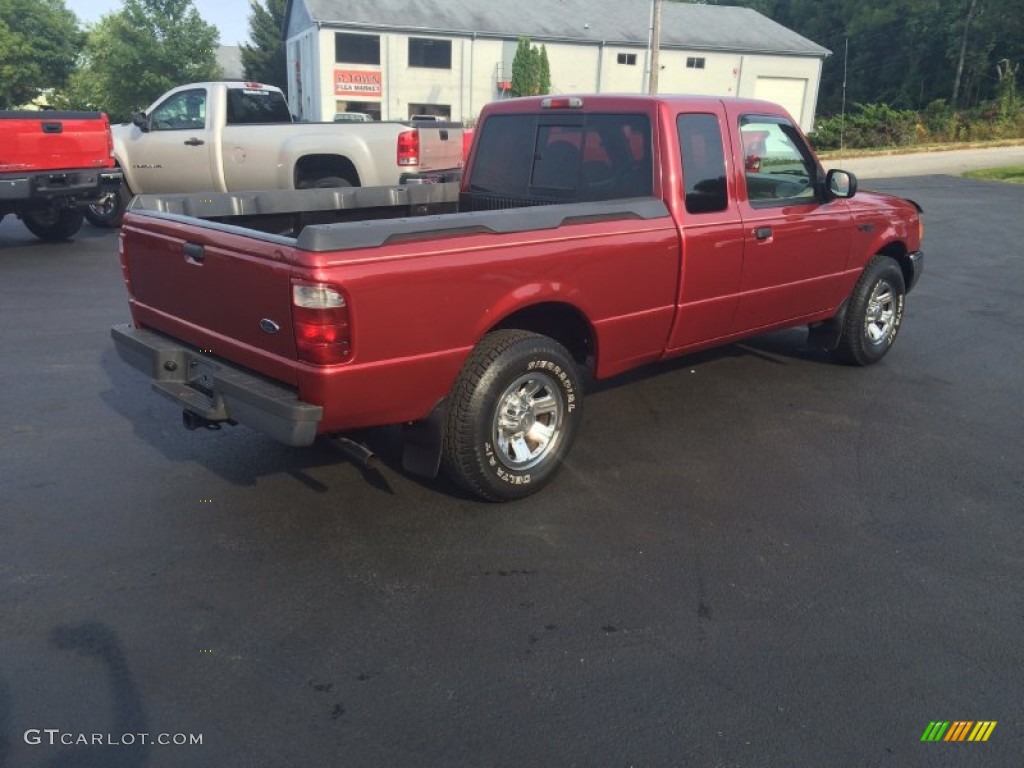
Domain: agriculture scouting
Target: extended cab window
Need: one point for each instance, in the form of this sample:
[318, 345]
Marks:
[700, 141]
[184, 111]
[778, 166]
[256, 105]
[563, 158]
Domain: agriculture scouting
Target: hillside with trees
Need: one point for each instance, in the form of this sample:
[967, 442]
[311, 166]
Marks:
[913, 70]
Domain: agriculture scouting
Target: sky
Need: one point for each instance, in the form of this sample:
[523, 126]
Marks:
[231, 17]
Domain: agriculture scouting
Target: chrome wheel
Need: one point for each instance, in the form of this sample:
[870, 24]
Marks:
[874, 313]
[528, 420]
[109, 209]
[880, 313]
[106, 204]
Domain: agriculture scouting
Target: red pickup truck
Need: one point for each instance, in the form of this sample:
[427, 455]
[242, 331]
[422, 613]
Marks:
[53, 165]
[599, 232]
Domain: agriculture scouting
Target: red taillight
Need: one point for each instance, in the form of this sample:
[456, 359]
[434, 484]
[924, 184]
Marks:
[409, 148]
[110, 136]
[323, 328]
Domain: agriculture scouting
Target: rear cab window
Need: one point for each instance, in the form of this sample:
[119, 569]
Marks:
[256, 105]
[569, 158]
[703, 155]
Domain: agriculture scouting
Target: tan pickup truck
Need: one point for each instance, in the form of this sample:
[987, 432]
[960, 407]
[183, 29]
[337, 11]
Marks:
[235, 136]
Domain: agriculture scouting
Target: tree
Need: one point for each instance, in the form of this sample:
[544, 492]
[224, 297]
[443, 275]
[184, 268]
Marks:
[544, 78]
[264, 60]
[907, 53]
[522, 69]
[133, 56]
[531, 72]
[39, 44]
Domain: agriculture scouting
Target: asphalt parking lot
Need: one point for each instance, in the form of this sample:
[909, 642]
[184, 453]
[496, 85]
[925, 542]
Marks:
[755, 558]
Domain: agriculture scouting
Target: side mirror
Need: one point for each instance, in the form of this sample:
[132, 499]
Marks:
[840, 184]
[139, 119]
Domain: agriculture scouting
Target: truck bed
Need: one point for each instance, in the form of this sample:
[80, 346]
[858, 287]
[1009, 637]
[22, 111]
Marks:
[345, 218]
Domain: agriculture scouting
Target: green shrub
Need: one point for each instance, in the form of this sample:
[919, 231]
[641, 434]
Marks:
[879, 126]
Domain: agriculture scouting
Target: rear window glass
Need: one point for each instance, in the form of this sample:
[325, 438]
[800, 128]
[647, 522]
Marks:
[256, 105]
[551, 159]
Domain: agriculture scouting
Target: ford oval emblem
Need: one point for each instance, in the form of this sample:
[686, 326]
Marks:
[269, 326]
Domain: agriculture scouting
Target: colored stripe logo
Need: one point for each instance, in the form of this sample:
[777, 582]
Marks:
[958, 730]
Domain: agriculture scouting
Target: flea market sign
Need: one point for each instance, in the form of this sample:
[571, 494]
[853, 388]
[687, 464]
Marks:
[357, 82]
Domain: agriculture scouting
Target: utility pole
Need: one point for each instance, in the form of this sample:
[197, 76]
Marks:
[842, 120]
[963, 54]
[652, 83]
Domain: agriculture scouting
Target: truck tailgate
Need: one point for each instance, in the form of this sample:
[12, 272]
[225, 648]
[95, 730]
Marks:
[226, 293]
[440, 148]
[43, 141]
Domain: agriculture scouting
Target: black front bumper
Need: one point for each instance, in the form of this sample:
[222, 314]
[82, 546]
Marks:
[216, 391]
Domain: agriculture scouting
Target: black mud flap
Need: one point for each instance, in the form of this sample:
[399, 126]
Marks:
[422, 441]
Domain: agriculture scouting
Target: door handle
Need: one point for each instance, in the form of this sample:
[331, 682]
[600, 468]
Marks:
[762, 233]
[194, 142]
[194, 253]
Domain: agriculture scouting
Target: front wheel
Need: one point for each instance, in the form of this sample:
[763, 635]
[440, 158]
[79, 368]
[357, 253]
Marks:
[875, 313]
[53, 223]
[512, 417]
[109, 211]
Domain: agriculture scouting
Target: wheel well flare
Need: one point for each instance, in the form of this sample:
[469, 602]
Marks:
[313, 167]
[562, 322]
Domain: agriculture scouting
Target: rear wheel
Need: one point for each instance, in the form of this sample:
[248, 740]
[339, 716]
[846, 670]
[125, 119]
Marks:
[53, 223]
[875, 313]
[513, 414]
[327, 182]
[109, 212]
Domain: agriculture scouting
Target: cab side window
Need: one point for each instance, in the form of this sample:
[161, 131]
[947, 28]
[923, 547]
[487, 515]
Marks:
[184, 111]
[700, 140]
[778, 167]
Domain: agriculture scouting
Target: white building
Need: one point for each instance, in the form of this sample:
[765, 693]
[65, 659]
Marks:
[397, 58]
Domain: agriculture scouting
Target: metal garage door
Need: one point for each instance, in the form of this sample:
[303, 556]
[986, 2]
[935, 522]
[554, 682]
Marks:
[787, 91]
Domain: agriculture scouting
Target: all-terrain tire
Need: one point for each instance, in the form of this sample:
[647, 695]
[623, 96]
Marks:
[875, 313]
[513, 414]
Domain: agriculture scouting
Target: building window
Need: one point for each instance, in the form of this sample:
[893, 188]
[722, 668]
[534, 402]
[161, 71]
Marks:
[695, 62]
[627, 58]
[442, 112]
[434, 54]
[356, 49]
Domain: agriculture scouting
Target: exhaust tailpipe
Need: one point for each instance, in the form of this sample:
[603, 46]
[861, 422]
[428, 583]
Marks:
[357, 452]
